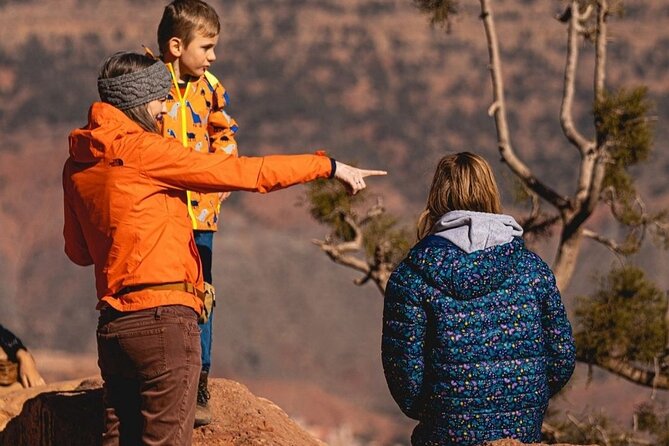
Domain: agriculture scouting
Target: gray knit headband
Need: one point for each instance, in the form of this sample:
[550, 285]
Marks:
[133, 89]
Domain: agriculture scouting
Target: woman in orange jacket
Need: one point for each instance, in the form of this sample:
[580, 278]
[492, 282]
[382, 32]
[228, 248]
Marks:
[126, 214]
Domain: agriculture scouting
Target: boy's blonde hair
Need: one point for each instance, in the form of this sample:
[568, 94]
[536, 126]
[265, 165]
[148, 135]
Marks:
[183, 18]
[463, 181]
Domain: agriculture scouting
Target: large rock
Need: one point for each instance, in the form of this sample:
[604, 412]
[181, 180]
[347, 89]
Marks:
[70, 413]
[58, 414]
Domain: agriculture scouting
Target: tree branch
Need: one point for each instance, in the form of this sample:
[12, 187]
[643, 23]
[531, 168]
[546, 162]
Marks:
[378, 269]
[630, 372]
[539, 225]
[600, 49]
[642, 221]
[337, 252]
[553, 433]
[613, 201]
[536, 207]
[373, 212]
[566, 110]
[498, 108]
[590, 181]
[608, 242]
[586, 203]
[664, 364]
[585, 15]
[585, 146]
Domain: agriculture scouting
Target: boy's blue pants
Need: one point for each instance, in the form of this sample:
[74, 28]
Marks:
[205, 242]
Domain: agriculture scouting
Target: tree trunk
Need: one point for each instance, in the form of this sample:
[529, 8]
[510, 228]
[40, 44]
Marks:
[567, 255]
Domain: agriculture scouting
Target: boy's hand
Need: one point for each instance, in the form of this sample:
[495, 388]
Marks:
[354, 178]
[28, 374]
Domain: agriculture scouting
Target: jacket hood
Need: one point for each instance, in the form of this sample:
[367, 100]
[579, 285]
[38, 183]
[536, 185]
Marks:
[470, 255]
[473, 231]
[105, 124]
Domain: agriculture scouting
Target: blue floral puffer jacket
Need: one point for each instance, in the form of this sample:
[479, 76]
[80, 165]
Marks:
[474, 344]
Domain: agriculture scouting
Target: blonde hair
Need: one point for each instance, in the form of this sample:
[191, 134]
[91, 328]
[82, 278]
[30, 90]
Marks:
[463, 181]
[183, 18]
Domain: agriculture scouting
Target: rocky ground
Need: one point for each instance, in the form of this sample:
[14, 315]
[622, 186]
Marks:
[70, 413]
[241, 418]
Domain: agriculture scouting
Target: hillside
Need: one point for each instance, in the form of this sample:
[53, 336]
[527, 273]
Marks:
[367, 79]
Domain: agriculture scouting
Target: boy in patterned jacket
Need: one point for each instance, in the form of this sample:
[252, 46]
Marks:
[187, 35]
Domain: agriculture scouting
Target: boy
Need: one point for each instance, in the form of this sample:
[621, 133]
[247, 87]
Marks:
[187, 35]
[13, 350]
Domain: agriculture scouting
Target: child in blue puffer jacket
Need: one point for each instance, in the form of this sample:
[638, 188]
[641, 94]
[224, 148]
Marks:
[475, 336]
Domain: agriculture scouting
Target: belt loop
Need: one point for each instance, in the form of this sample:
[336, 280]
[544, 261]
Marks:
[158, 311]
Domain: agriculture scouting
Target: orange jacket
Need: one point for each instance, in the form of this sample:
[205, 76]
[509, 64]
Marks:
[197, 120]
[126, 211]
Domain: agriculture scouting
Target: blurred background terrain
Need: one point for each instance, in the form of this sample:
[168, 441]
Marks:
[368, 80]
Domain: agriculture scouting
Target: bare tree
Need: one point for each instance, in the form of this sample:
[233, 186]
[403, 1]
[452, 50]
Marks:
[620, 137]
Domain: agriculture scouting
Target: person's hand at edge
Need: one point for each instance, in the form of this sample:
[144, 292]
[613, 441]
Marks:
[28, 374]
[354, 178]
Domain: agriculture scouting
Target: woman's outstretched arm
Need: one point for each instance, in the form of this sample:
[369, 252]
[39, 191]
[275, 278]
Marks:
[166, 162]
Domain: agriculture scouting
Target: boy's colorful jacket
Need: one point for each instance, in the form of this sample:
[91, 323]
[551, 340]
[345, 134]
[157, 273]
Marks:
[126, 211]
[475, 336]
[197, 120]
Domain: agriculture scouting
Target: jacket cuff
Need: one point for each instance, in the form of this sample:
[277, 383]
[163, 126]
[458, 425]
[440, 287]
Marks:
[333, 164]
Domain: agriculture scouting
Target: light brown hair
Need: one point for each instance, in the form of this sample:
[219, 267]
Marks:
[124, 63]
[462, 181]
[183, 19]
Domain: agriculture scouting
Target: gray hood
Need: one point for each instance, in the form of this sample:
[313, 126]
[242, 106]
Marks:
[475, 231]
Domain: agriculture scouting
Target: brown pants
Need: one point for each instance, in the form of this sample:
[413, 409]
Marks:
[150, 364]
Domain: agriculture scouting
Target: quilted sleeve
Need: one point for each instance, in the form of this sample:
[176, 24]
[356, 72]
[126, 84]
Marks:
[557, 334]
[403, 342]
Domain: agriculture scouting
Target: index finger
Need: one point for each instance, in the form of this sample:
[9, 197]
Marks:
[369, 173]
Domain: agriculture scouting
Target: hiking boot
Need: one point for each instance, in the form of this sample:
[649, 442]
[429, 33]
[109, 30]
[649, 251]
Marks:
[202, 411]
